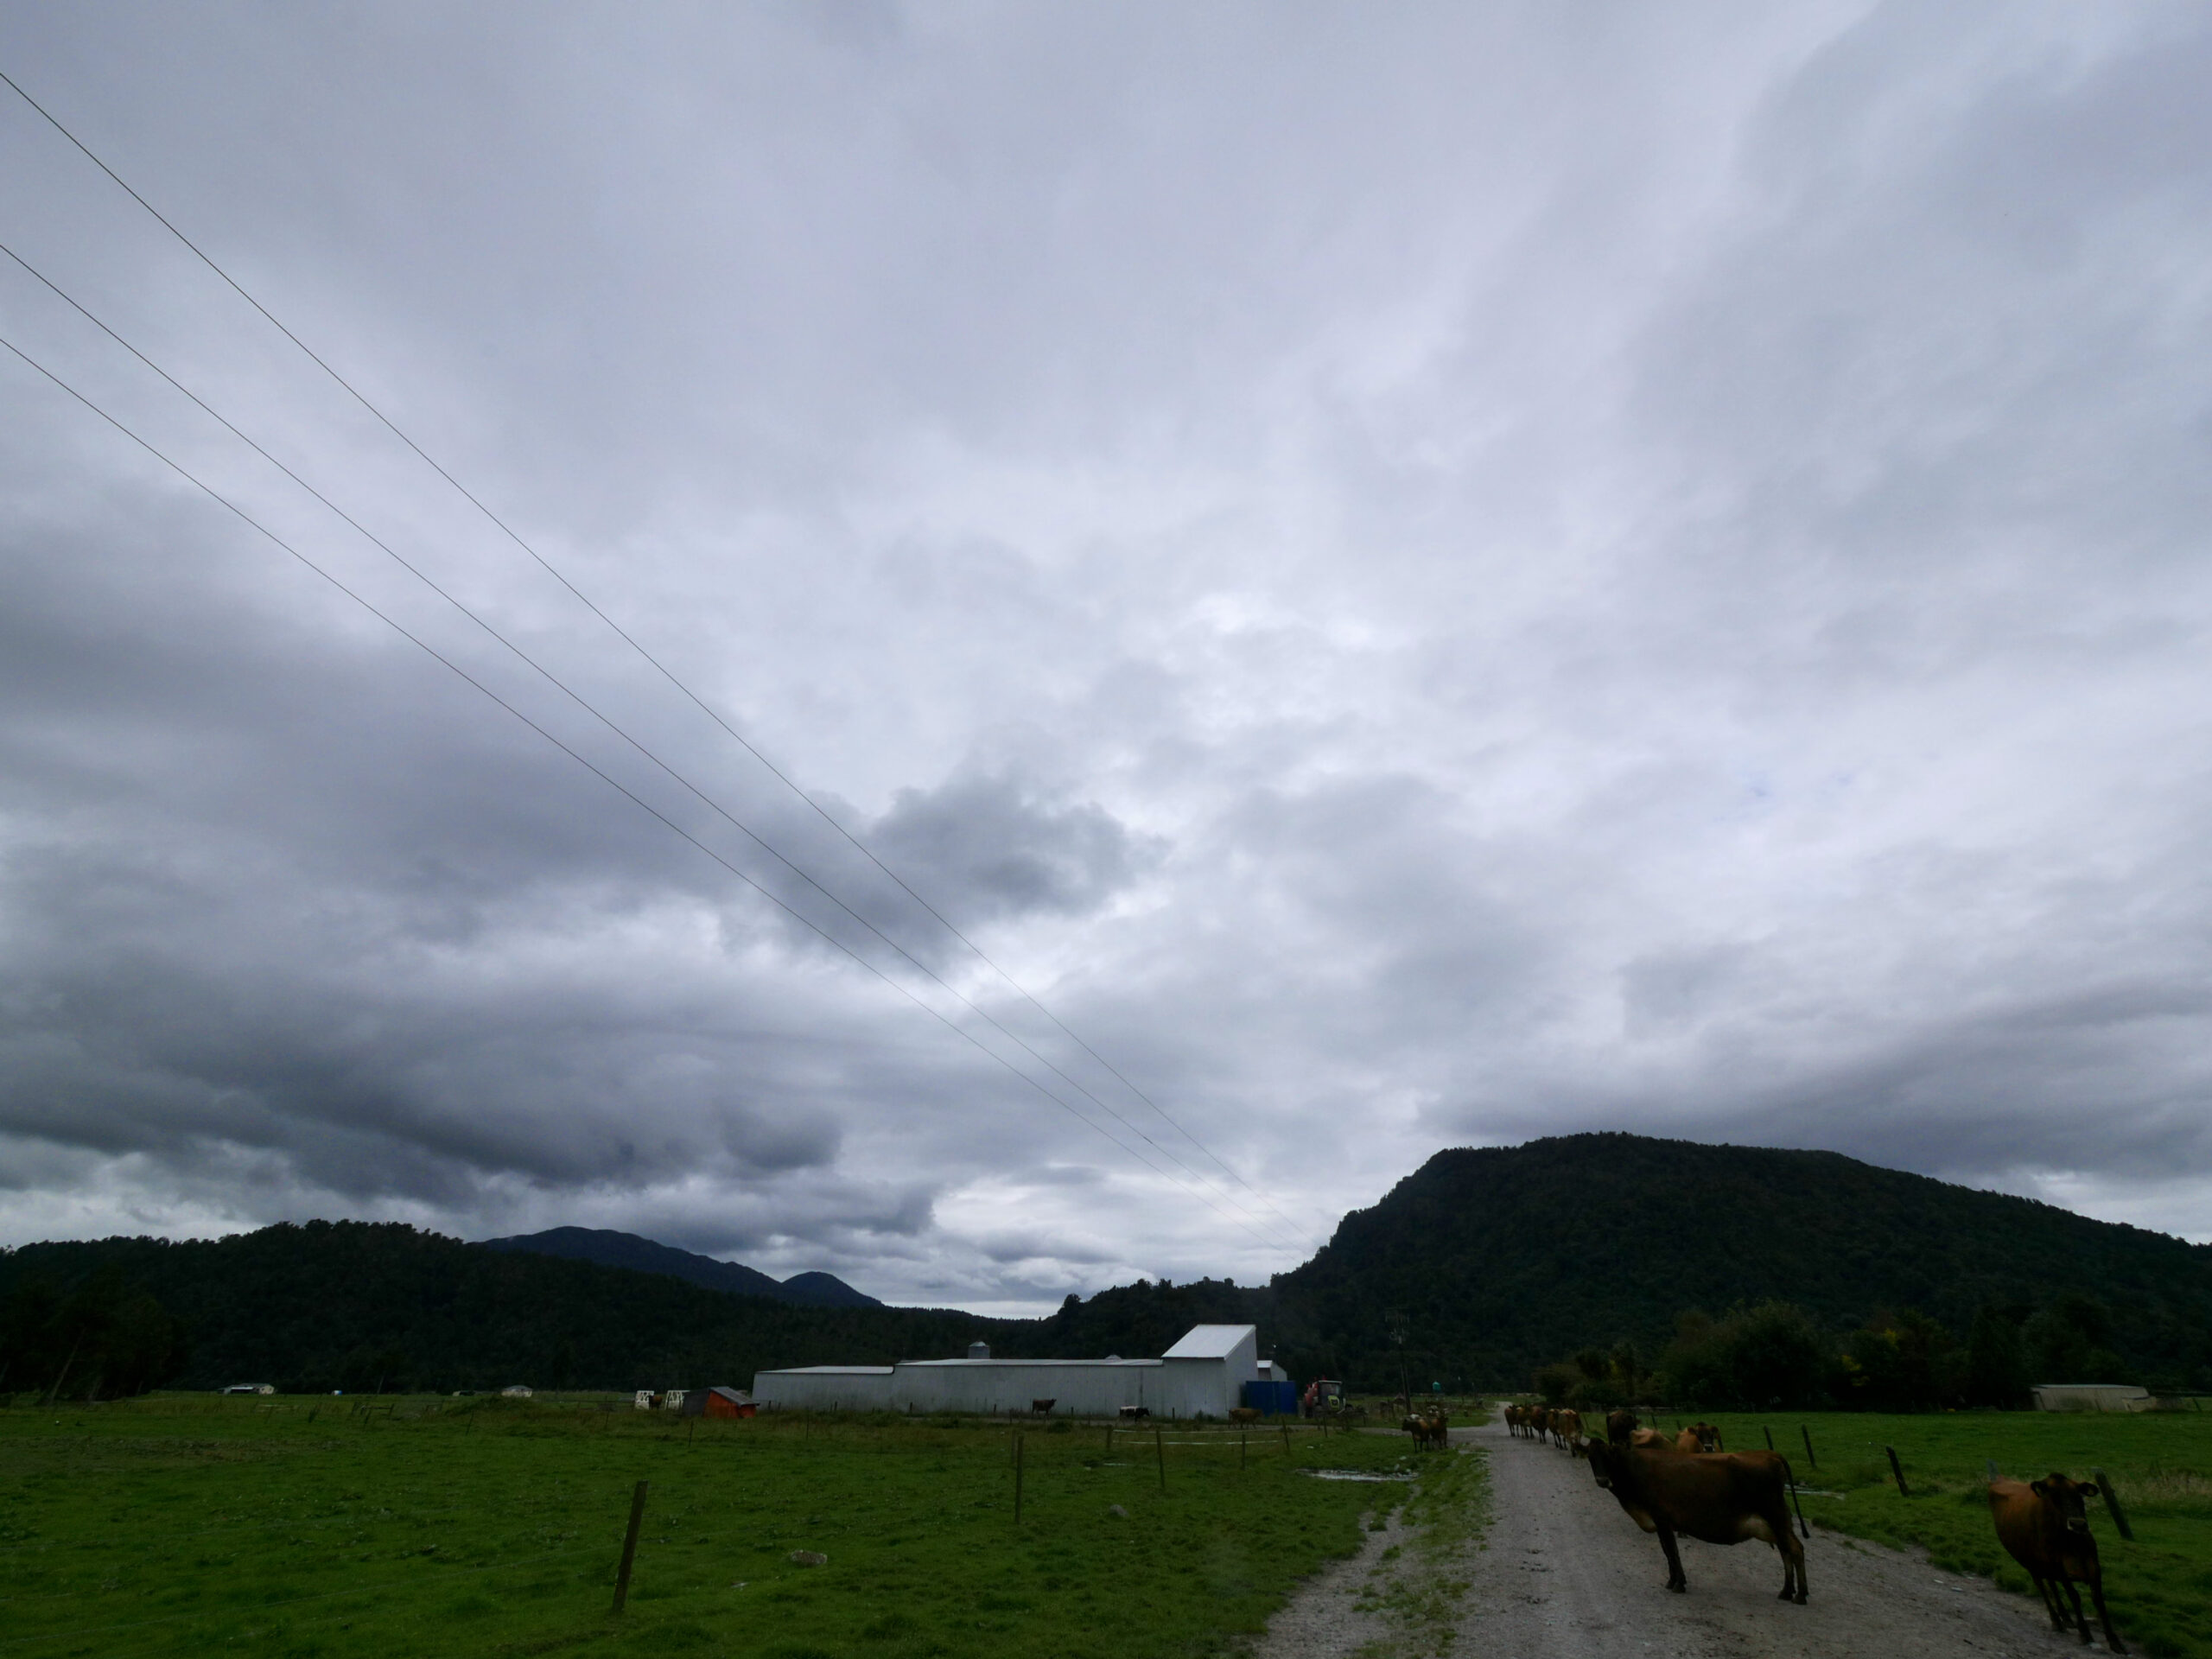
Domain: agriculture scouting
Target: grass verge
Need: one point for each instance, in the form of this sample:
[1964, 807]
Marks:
[1425, 1579]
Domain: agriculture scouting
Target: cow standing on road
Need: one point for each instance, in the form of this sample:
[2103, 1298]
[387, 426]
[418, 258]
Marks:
[2044, 1525]
[1720, 1498]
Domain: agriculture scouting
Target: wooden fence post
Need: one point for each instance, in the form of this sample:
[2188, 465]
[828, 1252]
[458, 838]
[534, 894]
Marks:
[2112, 1503]
[1898, 1473]
[1160, 1446]
[1017, 1477]
[1809, 1458]
[629, 1547]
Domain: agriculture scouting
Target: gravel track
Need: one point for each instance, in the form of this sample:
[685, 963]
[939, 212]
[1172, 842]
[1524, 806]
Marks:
[1562, 1574]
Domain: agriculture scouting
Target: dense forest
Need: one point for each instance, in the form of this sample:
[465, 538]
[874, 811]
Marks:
[383, 1306]
[1496, 1261]
[1611, 1255]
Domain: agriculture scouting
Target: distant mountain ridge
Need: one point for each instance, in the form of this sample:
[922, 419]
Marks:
[610, 1249]
[1481, 1265]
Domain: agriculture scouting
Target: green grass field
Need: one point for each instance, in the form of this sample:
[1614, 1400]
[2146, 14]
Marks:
[188, 1525]
[2159, 1586]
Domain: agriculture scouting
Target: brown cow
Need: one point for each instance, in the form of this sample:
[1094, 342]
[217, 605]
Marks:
[1708, 1438]
[1687, 1440]
[2044, 1527]
[1620, 1423]
[1720, 1498]
[1244, 1413]
[1427, 1429]
[1566, 1429]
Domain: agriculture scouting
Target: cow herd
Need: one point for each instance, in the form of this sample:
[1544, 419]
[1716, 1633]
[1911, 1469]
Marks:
[1688, 1485]
[1431, 1428]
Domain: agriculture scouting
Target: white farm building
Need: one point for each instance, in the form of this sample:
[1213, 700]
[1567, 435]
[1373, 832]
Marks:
[1203, 1375]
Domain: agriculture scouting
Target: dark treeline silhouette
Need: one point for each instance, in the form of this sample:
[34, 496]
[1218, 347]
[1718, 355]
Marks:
[1472, 1272]
[377, 1307]
[1776, 1355]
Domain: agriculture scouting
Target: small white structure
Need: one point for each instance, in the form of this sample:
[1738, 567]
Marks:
[1200, 1376]
[643, 1400]
[2091, 1396]
[516, 1391]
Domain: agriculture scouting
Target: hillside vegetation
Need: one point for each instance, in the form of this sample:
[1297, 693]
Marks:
[1501, 1259]
[1474, 1271]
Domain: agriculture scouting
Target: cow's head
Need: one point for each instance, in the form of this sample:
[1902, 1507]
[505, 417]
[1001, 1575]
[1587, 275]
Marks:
[1619, 1424]
[2068, 1496]
[1601, 1463]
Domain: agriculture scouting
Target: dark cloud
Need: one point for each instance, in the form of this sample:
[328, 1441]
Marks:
[982, 848]
[1428, 580]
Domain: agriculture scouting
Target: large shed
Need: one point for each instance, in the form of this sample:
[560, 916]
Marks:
[1202, 1376]
[2091, 1396]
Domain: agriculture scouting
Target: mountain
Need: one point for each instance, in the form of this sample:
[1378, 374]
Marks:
[366, 1307]
[613, 1250]
[825, 1290]
[1491, 1261]
[1500, 1259]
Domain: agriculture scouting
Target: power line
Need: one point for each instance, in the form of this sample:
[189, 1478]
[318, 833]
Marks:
[553, 679]
[655, 663]
[611, 782]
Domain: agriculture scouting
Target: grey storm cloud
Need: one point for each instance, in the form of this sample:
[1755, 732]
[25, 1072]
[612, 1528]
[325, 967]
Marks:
[1415, 578]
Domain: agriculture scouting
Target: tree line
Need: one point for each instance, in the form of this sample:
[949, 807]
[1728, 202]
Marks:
[1775, 1355]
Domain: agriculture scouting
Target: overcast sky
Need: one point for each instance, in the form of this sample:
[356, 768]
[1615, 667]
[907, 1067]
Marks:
[1421, 576]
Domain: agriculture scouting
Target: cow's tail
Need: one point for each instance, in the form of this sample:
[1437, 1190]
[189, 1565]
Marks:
[1789, 1476]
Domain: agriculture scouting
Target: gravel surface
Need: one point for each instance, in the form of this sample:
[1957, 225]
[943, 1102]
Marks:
[1329, 1617]
[1562, 1574]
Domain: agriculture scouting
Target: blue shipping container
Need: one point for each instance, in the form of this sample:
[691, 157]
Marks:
[1275, 1399]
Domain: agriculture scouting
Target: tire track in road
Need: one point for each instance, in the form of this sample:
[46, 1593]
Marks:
[1563, 1574]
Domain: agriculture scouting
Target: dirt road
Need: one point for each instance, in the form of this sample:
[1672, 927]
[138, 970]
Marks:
[1564, 1574]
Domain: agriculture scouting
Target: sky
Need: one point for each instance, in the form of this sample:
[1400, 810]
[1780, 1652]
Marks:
[1415, 577]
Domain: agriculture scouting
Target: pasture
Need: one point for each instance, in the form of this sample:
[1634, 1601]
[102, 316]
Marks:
[185, 1525]
[2160, 1585]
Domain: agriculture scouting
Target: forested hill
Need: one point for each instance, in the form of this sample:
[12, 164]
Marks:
[1493, 1261]
[364, 1306]
[613, 1250]
[1502, 1258]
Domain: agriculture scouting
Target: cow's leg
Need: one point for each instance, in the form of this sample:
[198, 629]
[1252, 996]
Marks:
[2081, 1619]
[1677, 1579]
[2053, 1603]
[2097, 1595]
[1793, 1563]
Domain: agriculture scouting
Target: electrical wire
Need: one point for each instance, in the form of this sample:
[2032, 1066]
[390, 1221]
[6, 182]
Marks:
[619, 787]
[590, 708]
[636, 645]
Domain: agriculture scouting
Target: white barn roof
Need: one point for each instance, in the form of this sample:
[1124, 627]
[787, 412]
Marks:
[1212, 1341]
